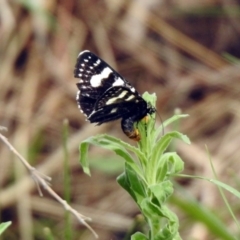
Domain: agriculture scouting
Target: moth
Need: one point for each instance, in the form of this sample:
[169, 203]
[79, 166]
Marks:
[104, 95]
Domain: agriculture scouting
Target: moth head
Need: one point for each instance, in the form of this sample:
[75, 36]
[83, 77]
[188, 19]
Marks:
[150, 109]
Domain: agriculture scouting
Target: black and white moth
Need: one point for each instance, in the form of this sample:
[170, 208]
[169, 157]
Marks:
[105, 96]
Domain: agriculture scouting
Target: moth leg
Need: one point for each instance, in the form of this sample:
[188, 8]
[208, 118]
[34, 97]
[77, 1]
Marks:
[128, 128]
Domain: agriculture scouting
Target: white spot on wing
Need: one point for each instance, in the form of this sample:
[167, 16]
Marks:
[122, 94]
[133, 89]
[77, 97]
[113, 110]
[130, 98]
[91, 114]
[96, 80]
[118, 82]
[85, 51]
[82, 64]
[97, 62]
[112, 100]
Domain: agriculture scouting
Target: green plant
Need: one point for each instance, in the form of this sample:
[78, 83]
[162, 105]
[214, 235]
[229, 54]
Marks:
[147, 173]
[4, 226]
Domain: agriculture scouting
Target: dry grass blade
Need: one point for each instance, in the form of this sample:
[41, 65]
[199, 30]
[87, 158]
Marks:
[42, 180]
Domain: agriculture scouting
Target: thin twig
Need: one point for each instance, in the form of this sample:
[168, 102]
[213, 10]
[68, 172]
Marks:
[42, 180]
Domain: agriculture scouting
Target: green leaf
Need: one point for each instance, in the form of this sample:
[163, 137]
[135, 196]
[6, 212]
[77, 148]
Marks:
[163, 223]
[204, 215]
[162, 169]
[127, 147]
[83, 157]
[153, 215]
[177, 164]
[123, 182]
[136, 184]
[139, 236]
[166, 234]
[168, 122]
[150, 98]
[131, 182]
[226, 187]
[4, 226]
[162, 191]
[169, 164]
[163, 143]
[152, 171]
[158, 150]
[113, 144]
[170, 229]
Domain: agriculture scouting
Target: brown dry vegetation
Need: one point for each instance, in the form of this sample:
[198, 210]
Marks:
[184, 51]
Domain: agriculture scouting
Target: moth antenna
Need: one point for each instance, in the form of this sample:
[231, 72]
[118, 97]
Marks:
[161, 122]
